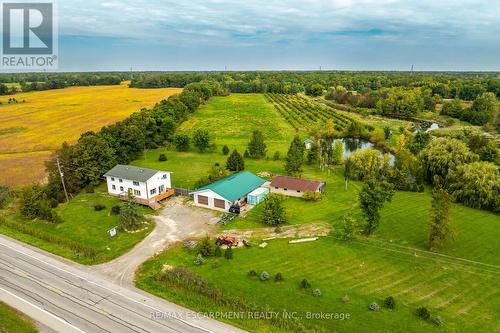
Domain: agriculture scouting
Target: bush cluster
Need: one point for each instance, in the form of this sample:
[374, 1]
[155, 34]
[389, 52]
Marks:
[99, 207]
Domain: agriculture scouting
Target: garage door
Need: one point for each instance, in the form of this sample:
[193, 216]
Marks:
[202, 200]
[220, 203]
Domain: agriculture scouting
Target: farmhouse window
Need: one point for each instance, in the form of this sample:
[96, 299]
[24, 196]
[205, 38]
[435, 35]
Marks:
[285, 189]
[112, 179]
[113, 187]
[298, 191]
[164, 176]
[136, 183]
[137, 192]
[121, 188]
[153, 191]
[161, 189]
[120, 180]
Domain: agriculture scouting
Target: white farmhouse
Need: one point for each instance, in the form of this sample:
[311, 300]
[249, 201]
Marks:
[147, 186]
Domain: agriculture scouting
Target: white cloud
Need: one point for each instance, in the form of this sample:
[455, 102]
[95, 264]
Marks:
[263, 22]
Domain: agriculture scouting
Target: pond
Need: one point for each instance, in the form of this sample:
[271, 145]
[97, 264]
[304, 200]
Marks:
[426, 126]
[352, 144]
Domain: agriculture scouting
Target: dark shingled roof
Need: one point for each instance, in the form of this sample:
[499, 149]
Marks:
[131, 173]
[296, 184]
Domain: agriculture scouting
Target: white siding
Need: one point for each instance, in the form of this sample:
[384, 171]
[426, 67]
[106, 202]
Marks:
[211, 196]
[121, 186]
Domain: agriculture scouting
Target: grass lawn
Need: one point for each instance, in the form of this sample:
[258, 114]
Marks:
[392, 262]
[232, 119]
[465, 297]
[83, 225]
[12, 321]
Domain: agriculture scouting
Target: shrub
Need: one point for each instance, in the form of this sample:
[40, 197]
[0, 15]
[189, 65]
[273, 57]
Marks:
[205, 247]
[390, 303]
[276, 156]
[4, 196]
[182, 142]
[162, 158]
[218, 251]
[278, 277]
[264, 276]
[228, 254]
[317, 293]
[225, 150]
[423, 313]
[116, 210]
[374, 306]
[345, 299]
[304, 284]
[199, 260]
[437, 320]
[89, 189]
[252, 273]
[312, 196]
[99, 207]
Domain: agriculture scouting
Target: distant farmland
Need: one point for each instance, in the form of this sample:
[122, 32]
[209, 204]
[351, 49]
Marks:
[31, 130]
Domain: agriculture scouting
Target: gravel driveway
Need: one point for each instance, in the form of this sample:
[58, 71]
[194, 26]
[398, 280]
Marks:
[175, 222]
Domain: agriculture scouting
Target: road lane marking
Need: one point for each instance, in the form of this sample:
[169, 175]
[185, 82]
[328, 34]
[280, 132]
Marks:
[46, 313]
[105, 288]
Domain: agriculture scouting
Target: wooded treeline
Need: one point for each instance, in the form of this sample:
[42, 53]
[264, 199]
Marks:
[41, 81]
[466, 86]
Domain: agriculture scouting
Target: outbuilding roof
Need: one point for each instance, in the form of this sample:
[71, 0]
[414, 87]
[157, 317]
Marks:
[132, 172]
[296, 184]
[235, 186]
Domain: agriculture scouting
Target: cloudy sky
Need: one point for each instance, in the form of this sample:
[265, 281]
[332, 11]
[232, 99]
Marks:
[307, 34]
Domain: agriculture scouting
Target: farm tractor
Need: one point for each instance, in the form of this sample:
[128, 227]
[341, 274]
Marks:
[226, 240]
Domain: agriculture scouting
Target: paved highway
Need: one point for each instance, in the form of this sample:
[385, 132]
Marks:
[68, 298]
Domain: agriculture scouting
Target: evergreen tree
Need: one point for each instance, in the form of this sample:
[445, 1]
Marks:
[129, 215]
[256, 147]
[440, 228]
[235, 162]
[295, 157]
[225, 150]
[205, 248]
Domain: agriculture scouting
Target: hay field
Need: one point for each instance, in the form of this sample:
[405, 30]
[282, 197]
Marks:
[31, 130]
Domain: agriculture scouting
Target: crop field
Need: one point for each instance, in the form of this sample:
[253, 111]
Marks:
[302, 113]
[458, 283]
[40, 121]
[232, 119]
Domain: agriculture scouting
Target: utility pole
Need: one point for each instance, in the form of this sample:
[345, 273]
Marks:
[62, 180]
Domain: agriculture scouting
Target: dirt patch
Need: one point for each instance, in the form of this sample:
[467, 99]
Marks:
[291, 231]
[176, 221]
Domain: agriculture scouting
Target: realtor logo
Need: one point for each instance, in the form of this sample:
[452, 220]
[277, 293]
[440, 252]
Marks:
[29, 39]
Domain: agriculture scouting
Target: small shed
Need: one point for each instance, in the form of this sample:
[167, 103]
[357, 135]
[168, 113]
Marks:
[257, 196]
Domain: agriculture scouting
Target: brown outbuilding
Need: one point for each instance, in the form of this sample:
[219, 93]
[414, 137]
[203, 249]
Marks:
[295, 187]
